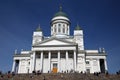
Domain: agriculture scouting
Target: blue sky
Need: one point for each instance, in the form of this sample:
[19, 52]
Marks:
[100, 20]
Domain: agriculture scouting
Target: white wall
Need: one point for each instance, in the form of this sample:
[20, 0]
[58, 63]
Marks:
[37, 64]
[70, 65]
[23, 66]
[63, 65]
[45, 65]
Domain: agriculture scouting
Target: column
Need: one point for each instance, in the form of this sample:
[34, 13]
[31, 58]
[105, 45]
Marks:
[62, 28]
[13, 67]
[58, 61]
[49, 57]
[105, 63]
[98, 65]
[68, 30]
[91, 65]
[57, 28]
[18, 67]
[33, 61]
[75, 60]
[41, 62]
[67, 60]
[65, 29]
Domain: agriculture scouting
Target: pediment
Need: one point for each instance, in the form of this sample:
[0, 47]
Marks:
[55, 42]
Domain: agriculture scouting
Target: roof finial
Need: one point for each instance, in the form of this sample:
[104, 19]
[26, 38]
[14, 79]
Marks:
[38, 25]
[77, 24]
[38, 29]
[60, 8]
[15, 51]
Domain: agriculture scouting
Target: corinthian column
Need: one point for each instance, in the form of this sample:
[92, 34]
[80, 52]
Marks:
[75, 60]
[67, 60]
[41, 62]
[58, 61]
[49, 57]
[34, 61]
[13, 67]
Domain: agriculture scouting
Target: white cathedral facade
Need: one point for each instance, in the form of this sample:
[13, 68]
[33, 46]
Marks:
[60, 52]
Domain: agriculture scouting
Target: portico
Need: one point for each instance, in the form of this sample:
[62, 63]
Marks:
[59, 60]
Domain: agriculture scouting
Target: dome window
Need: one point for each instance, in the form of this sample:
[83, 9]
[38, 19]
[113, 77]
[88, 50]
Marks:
[63, 28]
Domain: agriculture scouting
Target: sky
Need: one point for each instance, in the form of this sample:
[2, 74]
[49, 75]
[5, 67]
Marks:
[99, 19]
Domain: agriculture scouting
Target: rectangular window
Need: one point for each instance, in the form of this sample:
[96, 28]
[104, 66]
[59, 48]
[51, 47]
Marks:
[59, 29]
[88, 70]
[62, 55]
[45, 55]
[59, 25]
[87, 62]
[70, 55]
[38, 54]
[54, 65]
[54, 55]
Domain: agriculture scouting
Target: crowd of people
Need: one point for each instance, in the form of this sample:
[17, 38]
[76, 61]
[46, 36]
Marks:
[118, 72]
[10, 74]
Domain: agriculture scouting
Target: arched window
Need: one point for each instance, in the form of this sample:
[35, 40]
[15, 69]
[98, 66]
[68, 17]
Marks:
[63, 28]
[59, 30]
[55, 29]
[59, 26]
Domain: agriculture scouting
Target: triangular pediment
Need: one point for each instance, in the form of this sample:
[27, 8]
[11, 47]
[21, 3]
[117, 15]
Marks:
[55, 41]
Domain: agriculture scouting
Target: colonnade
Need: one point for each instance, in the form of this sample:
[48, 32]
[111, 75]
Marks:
[32, 67]
[49, 60]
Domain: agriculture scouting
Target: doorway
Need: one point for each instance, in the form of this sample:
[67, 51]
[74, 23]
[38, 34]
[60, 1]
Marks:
[55, 69]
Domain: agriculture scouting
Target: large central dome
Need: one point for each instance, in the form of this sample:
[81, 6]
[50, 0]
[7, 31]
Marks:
[60, 13]
[60, 24]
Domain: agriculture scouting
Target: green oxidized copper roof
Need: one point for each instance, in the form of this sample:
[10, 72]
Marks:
[39, 29]
[78, 27]
[60, 13]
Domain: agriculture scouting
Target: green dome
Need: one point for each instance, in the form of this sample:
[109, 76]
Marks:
[60, 13]
[39, 29]
[78, 27]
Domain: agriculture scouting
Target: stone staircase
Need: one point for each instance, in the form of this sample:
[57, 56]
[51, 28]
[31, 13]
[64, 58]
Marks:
[60, 76]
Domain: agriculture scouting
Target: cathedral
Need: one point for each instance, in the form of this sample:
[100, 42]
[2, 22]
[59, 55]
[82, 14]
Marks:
[60, 52]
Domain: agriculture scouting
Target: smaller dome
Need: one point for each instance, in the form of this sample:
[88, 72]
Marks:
[78, 27]
[61, 13]
[39, 29]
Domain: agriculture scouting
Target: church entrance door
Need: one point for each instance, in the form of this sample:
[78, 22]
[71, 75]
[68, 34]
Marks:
[55, 69]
